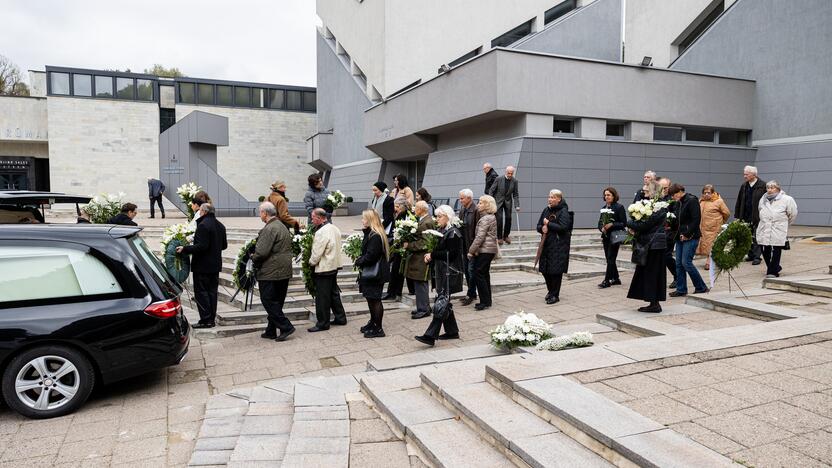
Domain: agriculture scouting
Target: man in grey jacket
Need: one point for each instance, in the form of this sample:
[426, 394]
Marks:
[273, 259]
[155, 189]
[504, 191]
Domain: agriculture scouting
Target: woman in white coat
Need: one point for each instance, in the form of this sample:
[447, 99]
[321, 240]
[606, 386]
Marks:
[777, 211]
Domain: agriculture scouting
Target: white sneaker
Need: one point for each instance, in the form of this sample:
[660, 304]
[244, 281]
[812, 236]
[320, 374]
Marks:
[771, 276]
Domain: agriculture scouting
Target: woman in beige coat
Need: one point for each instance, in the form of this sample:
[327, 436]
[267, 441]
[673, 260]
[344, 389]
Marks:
[714, 214]
[484, 248]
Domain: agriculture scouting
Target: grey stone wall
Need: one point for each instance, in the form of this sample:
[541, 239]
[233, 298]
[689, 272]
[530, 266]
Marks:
[356, 180]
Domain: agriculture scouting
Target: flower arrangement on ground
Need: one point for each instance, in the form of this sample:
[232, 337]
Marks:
[302, 251]
[334, 200]
[172, 237]
[186, 193]
[104, 206]
[520, 329]
[243, 276]
[574, 340]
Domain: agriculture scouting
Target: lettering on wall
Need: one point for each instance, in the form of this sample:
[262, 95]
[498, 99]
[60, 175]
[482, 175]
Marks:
[18, 133]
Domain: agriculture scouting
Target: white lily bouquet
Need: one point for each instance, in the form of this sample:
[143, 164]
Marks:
[606, 216]
[644, 209]
[520, 329]
[405, 231]
[574, 340]
[352, 246]
[186, 193]
[181, 232]
[297, 243]
[104, 206]
[334, 200]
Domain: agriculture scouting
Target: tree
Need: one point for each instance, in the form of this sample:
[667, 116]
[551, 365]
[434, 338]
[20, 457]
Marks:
[160, 70]
[11, 81]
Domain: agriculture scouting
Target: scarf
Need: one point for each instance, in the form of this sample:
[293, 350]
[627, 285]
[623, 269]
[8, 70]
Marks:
[378, 204]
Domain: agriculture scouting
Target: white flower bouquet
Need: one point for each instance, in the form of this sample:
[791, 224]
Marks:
[520, 329]
[458, 223]
[643, 209]
[186, 193]
[352, 246]
[182, 232]
[334, 200]
[575, 340]
[104, 206]
[405, 230]
[297, 243]
[606, 216]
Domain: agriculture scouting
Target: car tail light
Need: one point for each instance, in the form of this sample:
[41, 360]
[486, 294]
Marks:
[164, 309]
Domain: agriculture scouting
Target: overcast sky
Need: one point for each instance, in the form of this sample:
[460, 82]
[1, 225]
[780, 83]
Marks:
[244, 40]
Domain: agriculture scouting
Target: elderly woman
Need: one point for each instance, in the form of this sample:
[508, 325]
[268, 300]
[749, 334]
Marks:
[607, 225]
[714, 214]
[777, 212]
[401, 189]
[315, 196]
[484, 248]
[394, 289]
[555, 225]
[649, 280]
[374, 254]
[446, 259]
[417, 269]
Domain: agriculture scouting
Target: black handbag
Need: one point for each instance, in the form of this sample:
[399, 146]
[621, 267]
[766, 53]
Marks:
[787, 246]
[442, 305]
[370, 273]
[640, 252]
[618, 236]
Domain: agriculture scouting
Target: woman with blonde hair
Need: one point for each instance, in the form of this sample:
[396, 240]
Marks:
[484, 248]
[714, 214]
[374, 271]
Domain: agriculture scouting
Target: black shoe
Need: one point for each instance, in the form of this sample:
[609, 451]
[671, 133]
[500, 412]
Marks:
[702, 291]
[467, 300]
[604, 284]
[375, 333]
[615, 282]
[152, 217]
[449, 336]
[338, 323]
[285, 334]
[269, 335]
[552, 300]
[420, 315]
[672, 285]
[757, 262]
[677, 294]
[204, 325]
[481, 306]
[316, 329]
[652, 308]
[163, 216]
[388, 297]
[367, 327]
[425, 339]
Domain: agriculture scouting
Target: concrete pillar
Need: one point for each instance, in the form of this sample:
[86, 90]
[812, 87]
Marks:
[638, 131]
[591, 128]
[539, 124]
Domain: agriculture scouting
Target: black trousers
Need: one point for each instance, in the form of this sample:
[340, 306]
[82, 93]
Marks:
[755, 251]
[273, 295]
[205, 294]
[553, 283]
[669, 261]
[449, 322]
[771, 255]
[503, 214]
[470, 277]
[397, 280]
[153, 201]
[482, 272]
[328, 299]
[611, 254]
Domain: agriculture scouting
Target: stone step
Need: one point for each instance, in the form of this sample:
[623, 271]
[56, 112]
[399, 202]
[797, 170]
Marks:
[611, 429]
[641, 324]
[744, 307]
[818, 285]
[451, 443]
[622, 262]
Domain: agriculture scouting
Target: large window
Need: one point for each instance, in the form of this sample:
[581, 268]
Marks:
[242, 97]
[564, 126]
[59, 83]
[704, 24]
[514, 35]
[81, 85]
[125, 88]
[276, 98]
[733, 137]
[104, 86]
[699, 135]
[224, 96]
[144, 90]
[187, 93]
[67, 272]
[615, 130]
[257, 98]
[293, 100]
[667, 133]
[310, 101]
[206, 94]
[559, 10]
[465, 57]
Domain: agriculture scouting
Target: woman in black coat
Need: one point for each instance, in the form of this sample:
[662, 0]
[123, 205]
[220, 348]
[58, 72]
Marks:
[617, 222]
[374, 249]
[649, 280]
[555, 224]
[446, 260]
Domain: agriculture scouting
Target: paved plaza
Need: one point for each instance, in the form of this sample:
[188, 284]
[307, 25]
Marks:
[765, 404]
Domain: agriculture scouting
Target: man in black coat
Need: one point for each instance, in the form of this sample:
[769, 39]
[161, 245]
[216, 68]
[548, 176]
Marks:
[748, 207]
[469, 216]
[506, 195]
[689, 217]
[206, 263]
[490, 176]
[125, 218]
[670, 229]
[155, 189]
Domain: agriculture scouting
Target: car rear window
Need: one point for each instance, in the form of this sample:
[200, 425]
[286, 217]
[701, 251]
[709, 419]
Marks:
[151, 260]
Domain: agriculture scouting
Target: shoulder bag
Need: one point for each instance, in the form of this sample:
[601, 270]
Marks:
[370, 273]
[618, 236]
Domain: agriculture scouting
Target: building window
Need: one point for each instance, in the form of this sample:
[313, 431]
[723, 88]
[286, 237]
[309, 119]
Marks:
[667, 133]
[167, 117]
[242, 97]
[514, 35]
[81, 85]
[465, 57]
[699, 135]
[224, 95]
[615, 130]
[733, 137]
[144, 90]
[125, 88]
[206, 94]
[309, 101]
[704, 23]
[564, 126]
[59, 83]
[187, 93]
[257, 97]
[559, 10]
[104, 86]
[293, 100]
[276, 98]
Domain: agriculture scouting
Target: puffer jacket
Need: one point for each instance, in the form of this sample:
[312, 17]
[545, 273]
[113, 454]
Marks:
[486, 239]
[314, 199]
[273, 252]
[775, 217]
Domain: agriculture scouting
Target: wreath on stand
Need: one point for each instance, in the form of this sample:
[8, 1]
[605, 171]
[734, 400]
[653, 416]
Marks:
[243, 277]
[731, 246]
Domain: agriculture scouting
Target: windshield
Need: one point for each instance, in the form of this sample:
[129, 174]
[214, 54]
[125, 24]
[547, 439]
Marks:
[152, 261]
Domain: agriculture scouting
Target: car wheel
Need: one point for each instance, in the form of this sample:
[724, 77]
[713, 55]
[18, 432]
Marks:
[47, 381]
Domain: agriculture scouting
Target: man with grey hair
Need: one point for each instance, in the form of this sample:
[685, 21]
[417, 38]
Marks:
[649, 176]
[469, 215]
[272, 259]
[506, 195]
[490, 176]
[747, 208]
[206, 263]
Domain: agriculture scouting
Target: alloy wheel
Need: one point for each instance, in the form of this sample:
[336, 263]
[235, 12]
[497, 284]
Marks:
[47, 382]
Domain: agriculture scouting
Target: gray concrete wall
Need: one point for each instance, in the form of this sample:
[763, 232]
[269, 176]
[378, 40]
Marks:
[785, 47]
[593, 32]
[804, 171]
[355, 180]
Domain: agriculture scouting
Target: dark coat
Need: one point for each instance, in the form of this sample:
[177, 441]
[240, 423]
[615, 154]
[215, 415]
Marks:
[554, 259]
[489, 180]
[273, 252]
[83, 221]
[505, 192]
[448, 252]
[372, 250]
[388, 213]
[689, 215]
[209, 242]
[155, 188]
[757, 192]
[640, 195]
[650, 230]
[469, 217]
[619, 219]
[121, 219]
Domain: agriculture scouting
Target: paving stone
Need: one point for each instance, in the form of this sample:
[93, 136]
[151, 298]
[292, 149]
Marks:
[324, 428]
[819, 373]
[260, 448]
[640, 385]
[466, 352]
[744, 429]
[324, 445]
[210, 457]
[266, 425]
[364, 431]
[270, 409]
[263, 394]
[224, 401]
[551, 364]
[410, 407]
[306, 395]
[130, 430]
[361, 410]
[707, 437]
[216, 443]
[402, 361]
[615, 395]
[86, 450]
[394, 455]
[664, 410]
[751, 391]
[392, 381]
[93, 430]
[658, 347]
[456, 374]
[591, 327]
[226, 412]
[816, 444]
[667, 448]
[788, 417]
[818, 403]
[451, 443]
[709, 400]
[556, 450]
[139, 449]
[681, 377]
[774, 455]
[221, 427]
[316, 460]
